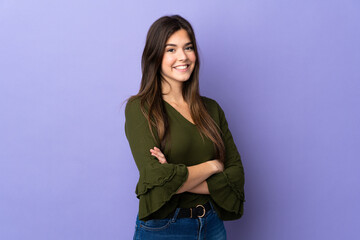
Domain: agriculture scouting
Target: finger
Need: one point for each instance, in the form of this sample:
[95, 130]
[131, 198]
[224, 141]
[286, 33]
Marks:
[157, 149]
[154, 151]
[161, 157]
[158, 156]
[159, 152]
[155, 154]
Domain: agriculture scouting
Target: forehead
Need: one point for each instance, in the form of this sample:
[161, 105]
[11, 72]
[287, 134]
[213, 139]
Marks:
[178, 37]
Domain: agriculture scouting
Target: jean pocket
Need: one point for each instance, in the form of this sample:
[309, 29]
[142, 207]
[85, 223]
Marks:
[155, 224]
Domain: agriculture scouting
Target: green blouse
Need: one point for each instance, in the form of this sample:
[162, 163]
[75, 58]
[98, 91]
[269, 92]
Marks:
[158, 183]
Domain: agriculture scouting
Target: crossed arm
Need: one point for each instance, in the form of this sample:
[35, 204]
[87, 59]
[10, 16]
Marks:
[201, 188]
[196, 181]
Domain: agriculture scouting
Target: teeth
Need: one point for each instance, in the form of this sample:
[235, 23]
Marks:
[181, 67]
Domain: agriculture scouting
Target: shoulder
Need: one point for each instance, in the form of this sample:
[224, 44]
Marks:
[209, 101]
[133, 109]
[132, 103]
[213, 108]
[211, 104]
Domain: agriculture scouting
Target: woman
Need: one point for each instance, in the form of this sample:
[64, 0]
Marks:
[191, 174]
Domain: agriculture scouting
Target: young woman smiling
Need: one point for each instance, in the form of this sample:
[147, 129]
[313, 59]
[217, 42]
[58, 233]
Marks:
[191, 174]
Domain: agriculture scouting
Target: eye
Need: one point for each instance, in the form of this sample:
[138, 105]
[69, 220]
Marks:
[170, 50]
[189, 48]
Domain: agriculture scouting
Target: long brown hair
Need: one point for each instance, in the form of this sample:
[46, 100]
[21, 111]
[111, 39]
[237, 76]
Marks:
[150, 92]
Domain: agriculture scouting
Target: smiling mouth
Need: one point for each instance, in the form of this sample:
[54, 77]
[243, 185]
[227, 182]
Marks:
[182, 67]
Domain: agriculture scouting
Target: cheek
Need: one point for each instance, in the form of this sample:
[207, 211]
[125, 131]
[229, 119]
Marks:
[192, 57]
[168, 61]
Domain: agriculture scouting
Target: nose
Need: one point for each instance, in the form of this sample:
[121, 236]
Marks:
[181, 55]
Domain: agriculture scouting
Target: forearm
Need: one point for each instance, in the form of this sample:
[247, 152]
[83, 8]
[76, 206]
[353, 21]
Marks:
[197, 175]
[202, 188]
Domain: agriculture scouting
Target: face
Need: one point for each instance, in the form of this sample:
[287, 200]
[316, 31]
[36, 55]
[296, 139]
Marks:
[179, 57]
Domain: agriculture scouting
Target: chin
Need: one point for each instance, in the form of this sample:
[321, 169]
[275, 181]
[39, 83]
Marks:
[178, 78]
[184, 79]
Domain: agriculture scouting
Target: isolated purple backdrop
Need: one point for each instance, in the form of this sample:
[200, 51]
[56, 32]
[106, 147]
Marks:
[285, 72]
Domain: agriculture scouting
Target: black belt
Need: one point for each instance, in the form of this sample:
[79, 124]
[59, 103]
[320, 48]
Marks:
[194, 212]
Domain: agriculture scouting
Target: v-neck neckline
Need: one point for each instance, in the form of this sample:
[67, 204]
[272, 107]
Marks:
[179, 113]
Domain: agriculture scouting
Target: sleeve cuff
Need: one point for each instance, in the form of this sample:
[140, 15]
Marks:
[225, 193]
[153, 195]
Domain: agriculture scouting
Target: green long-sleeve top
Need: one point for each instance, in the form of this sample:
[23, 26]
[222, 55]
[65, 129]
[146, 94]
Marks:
[158, 183]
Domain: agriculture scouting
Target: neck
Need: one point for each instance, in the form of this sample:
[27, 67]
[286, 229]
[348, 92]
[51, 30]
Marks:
[174, 93]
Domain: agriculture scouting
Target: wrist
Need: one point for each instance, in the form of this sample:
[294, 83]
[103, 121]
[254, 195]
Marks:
[212, 167]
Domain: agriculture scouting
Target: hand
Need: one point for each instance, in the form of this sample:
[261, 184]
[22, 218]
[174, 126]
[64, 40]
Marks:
[218, 166]
[158, 154]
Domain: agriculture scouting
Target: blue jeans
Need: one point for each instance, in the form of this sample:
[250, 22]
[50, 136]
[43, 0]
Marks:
[209, 227]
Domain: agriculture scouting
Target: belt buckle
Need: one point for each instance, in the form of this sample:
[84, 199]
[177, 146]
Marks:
[203, 210]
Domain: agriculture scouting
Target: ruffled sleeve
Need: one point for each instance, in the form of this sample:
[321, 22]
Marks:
[157, 182]
[227, 188]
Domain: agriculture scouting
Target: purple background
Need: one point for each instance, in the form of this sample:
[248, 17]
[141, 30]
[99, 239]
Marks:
[285, 72]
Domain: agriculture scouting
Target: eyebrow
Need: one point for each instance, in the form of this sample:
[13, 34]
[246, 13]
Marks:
[174, 45]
